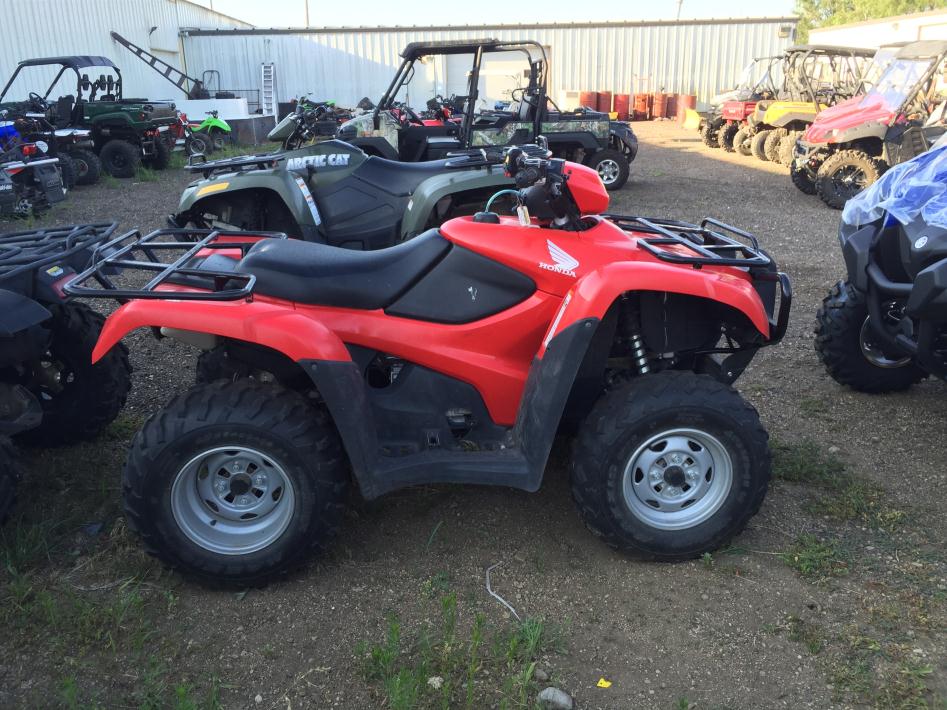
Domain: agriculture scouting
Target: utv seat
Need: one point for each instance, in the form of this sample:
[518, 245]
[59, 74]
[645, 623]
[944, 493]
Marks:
[318, 274]
[398, 178]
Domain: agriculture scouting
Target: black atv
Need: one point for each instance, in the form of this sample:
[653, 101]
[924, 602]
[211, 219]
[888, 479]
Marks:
[74, 148]
[50, 392]
[395, 131]
[30, 181]
[885, 327]
[125, 132]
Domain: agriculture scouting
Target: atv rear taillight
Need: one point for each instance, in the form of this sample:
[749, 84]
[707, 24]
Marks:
[30, 149]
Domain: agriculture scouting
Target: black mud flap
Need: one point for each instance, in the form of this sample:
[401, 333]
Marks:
[342, 387]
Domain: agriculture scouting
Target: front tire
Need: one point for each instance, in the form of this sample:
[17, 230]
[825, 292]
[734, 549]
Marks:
[199, 142]
[787, 147]
[79, 399]
[161, 158]
[236, 483]
[844, 344]
[742, 141]
[844, 174]
[758, 144]
[800, 178]
[771, 144]
[669, 466]
[708, 133]
[726, 134]
[88, 166]
[612, 167]
[120, 158]
[67, 171]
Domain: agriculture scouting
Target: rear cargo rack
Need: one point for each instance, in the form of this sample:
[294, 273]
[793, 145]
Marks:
[136, 258]
[710, 243]
[28, 250]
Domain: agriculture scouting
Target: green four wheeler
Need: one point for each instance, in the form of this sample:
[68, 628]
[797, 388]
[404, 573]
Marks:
[814, 77]
[125, 132]
[394, 130]
[333, 193]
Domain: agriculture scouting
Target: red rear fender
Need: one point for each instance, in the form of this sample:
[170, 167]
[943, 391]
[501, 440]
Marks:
[594, 293]
[275, 326]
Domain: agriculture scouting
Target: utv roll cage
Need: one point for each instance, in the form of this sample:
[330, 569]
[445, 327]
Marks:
[111, 87]
[848, 73]
[935, 51]
[534, 94]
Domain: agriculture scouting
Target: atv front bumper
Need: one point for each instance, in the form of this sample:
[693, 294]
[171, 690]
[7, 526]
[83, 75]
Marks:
[808, 157]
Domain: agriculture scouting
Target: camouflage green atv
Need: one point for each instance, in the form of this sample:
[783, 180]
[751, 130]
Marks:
[331, 192]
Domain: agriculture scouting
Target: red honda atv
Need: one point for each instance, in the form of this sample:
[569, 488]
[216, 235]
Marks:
[453, 357]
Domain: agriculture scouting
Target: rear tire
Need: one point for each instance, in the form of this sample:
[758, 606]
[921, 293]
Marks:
[199, 142]
[79, 399]
[708, 133]
[771, 144]
[161, 158]
[725, 136]
[88, 166]
[844, 174]
[181, 496]
[758, 143]
[10, 475]
[848, 355]
[612, 167]
[120, 158]
[712, 482]
[742, 141]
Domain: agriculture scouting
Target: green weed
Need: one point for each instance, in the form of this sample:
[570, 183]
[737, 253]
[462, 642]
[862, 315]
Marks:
[812, 557]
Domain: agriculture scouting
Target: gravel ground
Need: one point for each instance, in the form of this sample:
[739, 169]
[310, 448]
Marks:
[742, 629]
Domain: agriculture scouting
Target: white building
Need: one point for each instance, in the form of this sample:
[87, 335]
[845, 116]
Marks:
[874, 33]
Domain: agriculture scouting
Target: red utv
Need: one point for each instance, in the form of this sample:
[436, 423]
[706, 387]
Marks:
[851, 144]
[453, 357]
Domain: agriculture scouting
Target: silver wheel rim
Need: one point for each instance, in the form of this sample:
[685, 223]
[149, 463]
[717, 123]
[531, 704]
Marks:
[232, 500]
[874, 354]
[608, 171]
[677, 479]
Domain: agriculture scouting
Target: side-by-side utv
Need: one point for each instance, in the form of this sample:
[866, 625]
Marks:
[125, 132]
[396, 131]
[850, 145]
[814, 77]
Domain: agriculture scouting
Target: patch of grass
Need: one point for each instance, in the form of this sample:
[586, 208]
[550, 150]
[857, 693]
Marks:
[884, 677]
[807, 633]
[436, 586]
[109, 181]
[144, 174]
[840, 495]
[443, 667]
[813, 407]
[812, 557]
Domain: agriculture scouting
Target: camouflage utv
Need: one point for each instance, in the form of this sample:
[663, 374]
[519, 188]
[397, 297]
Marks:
[125, 132]
[394, 130]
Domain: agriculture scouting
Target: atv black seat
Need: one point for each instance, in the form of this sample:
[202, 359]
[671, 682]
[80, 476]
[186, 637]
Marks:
[318, 274]
[398, 178]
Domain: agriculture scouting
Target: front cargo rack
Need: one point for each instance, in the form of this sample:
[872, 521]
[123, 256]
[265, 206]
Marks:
[711, 242]
[28, 250]
[261, 161]
[207, 277]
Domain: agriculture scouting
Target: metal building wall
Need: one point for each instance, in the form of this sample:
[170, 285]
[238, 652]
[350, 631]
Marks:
[345, 64]
[46, 28]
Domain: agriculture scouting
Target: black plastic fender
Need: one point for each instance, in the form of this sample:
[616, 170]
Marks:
[19, 312]
[374, 145]
[856, 250]
[627, 137]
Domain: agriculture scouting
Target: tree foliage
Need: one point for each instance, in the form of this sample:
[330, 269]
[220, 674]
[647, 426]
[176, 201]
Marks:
[825, 13]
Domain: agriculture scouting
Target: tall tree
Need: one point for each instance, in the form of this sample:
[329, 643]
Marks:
[825, 13]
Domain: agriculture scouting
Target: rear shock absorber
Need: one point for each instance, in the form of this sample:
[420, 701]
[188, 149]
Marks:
[638, 354]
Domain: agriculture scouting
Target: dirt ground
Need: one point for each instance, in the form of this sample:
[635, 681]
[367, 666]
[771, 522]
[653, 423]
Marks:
[835, 596]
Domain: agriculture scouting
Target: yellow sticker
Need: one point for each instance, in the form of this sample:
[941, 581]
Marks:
[602, 683]
[215, 187]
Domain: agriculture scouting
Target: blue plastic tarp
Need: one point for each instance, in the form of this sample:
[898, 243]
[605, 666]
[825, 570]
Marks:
[917, 188]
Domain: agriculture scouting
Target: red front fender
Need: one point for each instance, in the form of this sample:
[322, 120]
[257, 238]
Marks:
[595, 292]
[268, 324]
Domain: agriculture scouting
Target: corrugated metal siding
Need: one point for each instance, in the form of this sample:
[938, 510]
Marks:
[697, 57]
[46, 28]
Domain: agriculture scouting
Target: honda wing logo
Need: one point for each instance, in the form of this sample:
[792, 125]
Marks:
[563, 262]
